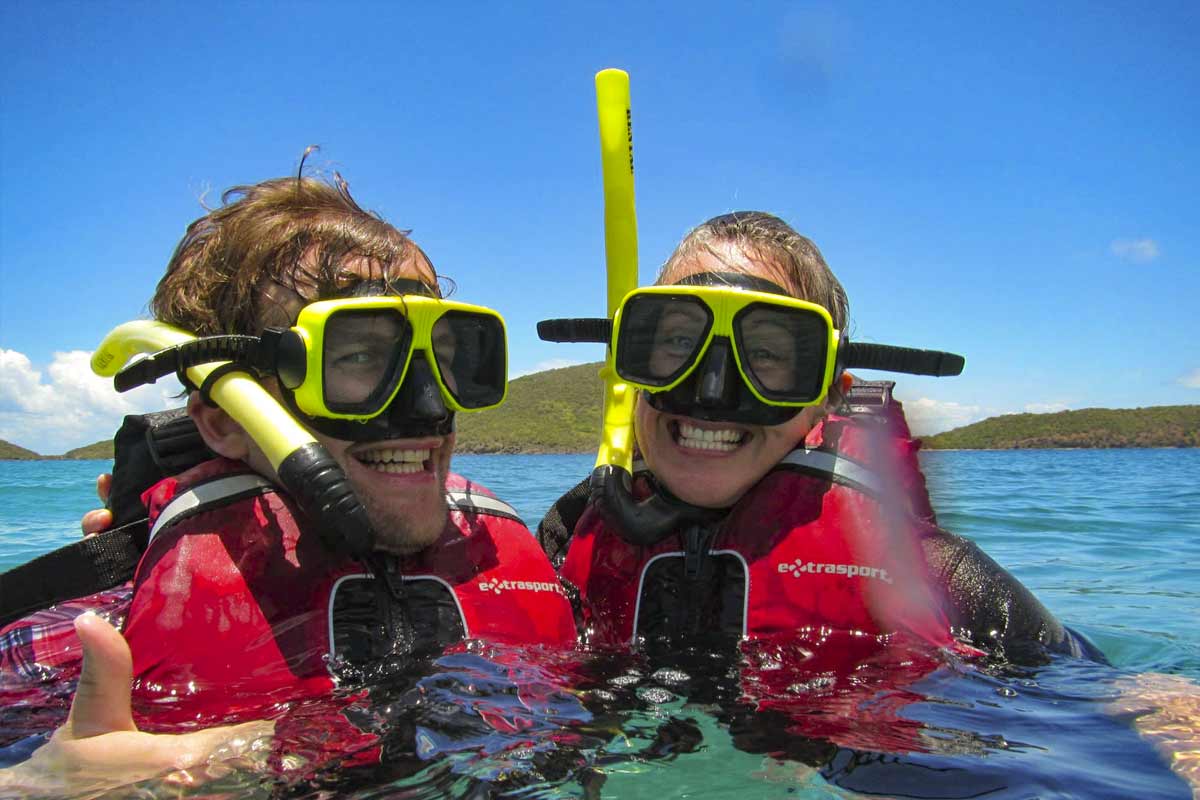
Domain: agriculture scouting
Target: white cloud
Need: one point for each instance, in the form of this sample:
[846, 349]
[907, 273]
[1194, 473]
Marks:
[542, 366]
[66, 405]
[1191, 380]
[1044, 408]
[927, 416]
[1139, 251]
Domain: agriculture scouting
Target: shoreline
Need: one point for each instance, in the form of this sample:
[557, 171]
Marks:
[514, 451]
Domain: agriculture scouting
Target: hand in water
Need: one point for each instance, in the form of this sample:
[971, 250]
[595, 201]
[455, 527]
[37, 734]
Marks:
[99, 519]
[1166, 710]
[100, 746]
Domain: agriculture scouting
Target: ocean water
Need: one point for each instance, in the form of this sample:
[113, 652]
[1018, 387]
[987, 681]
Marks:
[1109, 540]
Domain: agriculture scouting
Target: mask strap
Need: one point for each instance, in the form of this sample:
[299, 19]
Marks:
[387, 288]
[732, 280]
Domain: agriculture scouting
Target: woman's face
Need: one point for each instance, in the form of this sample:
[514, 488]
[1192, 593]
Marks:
[712, 464]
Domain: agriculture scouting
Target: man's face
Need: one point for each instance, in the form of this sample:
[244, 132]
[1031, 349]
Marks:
[399, 481]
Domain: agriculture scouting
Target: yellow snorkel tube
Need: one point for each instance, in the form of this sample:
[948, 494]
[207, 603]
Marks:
[611, 485]
[305, 469]
[620, 253]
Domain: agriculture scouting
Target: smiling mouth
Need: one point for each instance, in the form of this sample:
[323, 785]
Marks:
[395, 461]
[719, 440]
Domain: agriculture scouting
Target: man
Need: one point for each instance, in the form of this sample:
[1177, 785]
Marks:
[236, 591]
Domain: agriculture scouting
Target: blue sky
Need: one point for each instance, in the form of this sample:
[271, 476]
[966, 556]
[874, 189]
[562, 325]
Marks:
[1015, 183]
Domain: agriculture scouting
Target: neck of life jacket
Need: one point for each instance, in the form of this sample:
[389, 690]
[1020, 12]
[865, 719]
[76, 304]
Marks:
[717, 391]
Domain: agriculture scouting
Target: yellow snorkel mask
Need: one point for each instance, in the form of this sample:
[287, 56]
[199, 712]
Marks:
[356, 368]
[365, 368]
[347, 359]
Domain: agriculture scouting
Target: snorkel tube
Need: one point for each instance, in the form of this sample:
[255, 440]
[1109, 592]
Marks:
[306, 470]
[611, 483]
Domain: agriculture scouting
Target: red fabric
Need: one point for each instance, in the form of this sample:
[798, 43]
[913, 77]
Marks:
[44, 646]
[820, 556]
[234, 602]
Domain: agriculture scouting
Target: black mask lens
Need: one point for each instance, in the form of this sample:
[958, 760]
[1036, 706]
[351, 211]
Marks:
[783, 350]
[470, 353]
[363, 356]
[660, 337]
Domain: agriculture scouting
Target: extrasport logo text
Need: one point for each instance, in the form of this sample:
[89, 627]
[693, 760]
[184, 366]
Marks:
[497, 586]
[800, 567]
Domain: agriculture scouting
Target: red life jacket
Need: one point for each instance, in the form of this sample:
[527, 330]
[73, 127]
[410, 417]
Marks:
[231, 595]
[828, 541]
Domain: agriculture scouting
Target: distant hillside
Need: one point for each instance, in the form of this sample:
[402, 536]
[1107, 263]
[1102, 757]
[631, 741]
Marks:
[557, 411]
[12, 452]
[1156, 426]
[99, 450]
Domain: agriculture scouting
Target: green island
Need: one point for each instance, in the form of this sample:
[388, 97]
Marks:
[1153, 426]
[558, 411]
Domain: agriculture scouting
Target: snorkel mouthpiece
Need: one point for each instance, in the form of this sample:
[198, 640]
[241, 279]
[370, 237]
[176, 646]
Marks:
[322, 490]
[642, 523]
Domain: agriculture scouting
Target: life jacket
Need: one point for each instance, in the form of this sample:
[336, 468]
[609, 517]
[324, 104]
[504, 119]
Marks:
[232, 596]
[829, 541]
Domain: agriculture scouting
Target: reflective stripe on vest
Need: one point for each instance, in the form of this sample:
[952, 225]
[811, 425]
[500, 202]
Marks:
[844, 470]
[223, 491]
[470, 502]
[231, 488]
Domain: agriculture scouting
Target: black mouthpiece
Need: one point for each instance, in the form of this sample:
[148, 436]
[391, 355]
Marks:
[319, 486]
[903, 359]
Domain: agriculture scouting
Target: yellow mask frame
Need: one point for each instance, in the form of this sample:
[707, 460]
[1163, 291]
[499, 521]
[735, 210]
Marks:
[725, 307]
[302, 361]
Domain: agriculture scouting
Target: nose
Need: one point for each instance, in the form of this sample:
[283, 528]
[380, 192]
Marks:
[420, 397]
[718, 384]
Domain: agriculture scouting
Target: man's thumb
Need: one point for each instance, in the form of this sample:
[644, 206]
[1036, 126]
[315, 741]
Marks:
[101, 702]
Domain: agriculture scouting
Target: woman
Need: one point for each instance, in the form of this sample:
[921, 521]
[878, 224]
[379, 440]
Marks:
[727, 425]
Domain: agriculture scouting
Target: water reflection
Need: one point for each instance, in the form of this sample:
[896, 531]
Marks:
[834, 715]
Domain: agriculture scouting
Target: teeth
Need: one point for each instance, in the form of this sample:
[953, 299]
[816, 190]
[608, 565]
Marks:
[395, 461]
[396, 468]
[722, 440]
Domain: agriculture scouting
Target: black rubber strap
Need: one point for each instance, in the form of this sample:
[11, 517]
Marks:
[88, 566]
[216, 375]
[584, 329]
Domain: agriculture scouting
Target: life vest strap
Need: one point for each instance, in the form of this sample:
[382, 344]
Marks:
[81, 568]
[203, 496]
[838, 467]
[469, 502]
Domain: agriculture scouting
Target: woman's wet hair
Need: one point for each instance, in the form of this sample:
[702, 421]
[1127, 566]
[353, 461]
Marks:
[766, 238]
[268, 247]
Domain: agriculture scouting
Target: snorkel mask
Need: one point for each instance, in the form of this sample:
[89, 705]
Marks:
[356, 368]
[385, 367]
[731, 347]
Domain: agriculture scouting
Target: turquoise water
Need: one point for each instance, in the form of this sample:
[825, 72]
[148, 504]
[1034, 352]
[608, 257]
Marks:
[1109, 540]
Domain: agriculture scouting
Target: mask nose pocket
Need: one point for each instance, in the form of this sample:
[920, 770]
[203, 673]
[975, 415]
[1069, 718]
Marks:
[717, 386]
[420, 397]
